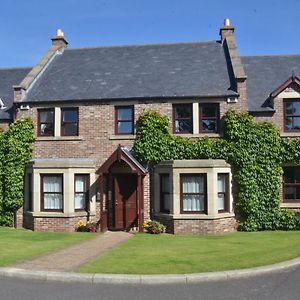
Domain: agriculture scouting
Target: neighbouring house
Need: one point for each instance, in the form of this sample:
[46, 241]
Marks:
[85, 103]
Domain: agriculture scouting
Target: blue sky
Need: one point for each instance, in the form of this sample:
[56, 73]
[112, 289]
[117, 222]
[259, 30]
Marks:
[261, 26]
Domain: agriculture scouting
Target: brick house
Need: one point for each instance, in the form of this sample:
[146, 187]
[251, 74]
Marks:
[85, 102]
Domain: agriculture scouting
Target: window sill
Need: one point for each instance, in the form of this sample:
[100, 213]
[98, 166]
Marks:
[290, 205]
[59, 138]
[48, 214]
[290, 134]
[198, 135]
[123, 137]
[195, 216]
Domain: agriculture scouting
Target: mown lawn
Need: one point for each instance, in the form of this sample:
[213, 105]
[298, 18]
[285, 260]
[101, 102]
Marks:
[169, 254]
[19, 244]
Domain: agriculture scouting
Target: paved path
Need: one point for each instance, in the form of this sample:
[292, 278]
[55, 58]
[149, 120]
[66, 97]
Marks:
[68, 258]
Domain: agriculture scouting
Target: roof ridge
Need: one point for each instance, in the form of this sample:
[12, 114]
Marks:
[15, 68]
[141, 45]
[271, 55]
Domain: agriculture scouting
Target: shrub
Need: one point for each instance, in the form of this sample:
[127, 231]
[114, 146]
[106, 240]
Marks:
[154, 227]
[86, 226]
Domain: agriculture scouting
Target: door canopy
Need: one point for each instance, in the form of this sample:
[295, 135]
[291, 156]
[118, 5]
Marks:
[122, 154]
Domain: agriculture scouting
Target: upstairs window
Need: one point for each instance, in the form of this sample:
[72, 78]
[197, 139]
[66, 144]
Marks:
[165, 193]
[46, 122]
[209, 117]
[291, 184]
[193, 193]
[69, 121]
[81, 185]
[182, 118]
[124, 119]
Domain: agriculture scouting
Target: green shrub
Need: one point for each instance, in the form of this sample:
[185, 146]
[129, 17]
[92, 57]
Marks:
[154, 227]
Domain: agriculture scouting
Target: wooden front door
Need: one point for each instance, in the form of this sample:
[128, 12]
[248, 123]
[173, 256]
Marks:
[125, 201]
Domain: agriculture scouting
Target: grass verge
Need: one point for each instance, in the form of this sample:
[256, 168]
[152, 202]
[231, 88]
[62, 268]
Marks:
[170, 254]
[20, 244]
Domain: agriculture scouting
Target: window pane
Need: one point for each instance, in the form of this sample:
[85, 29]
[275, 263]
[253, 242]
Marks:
[165, 183]
[52, 184]
[296, 124]
[125, 114]
[166, 202]
[80, 184]
[209, 111]
[297, 192]
[289, 108]
[52, 201]
[183, 111]
[289, 192]
[47, 129]
[70, 129]
[193, 202]
[183, 126]
[70, 115]
[46, 116]
[296, 106]
[221, 183]
[80, 201]
[124, 127]
[209, 125]
[193, 184]
[288, 123]
[221, 202]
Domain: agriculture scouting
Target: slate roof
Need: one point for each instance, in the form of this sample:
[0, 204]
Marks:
[8, 78]
[136, 71]
[265, 74]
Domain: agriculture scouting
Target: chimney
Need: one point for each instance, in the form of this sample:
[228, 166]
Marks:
[59, 39]
[226, 29]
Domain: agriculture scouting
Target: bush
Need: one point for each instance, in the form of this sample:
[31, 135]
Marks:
[154, 227]
[86, 226]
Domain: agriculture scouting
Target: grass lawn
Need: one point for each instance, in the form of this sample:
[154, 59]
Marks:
[170, 254]
[19, 244]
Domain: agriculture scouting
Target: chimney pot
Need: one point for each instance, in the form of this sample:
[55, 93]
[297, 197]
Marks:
[59, 32]
[227, 22]
[59, 39]
[226, 29]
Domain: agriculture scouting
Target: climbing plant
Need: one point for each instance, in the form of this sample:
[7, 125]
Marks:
[255, 151]
[15, 152]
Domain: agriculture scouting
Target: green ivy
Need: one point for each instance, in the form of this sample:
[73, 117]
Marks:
[15, 153]
[255, 151]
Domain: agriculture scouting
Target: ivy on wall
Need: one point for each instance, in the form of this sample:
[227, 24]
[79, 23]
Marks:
[255, 151]
[15, 153]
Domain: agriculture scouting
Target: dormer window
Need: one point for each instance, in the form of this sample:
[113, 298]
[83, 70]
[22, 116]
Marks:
[292, 115]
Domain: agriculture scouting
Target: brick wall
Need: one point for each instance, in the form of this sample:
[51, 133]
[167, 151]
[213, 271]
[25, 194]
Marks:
[57, 224]
[96, 139]
[196, 226]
